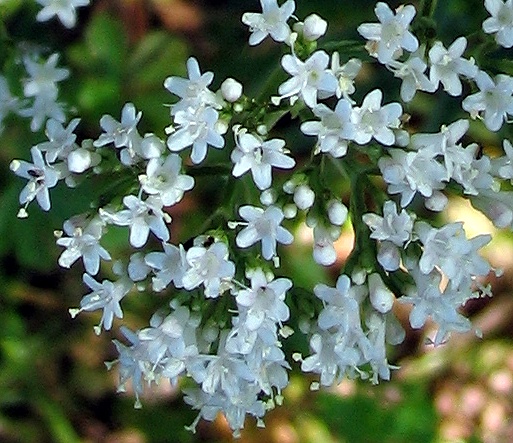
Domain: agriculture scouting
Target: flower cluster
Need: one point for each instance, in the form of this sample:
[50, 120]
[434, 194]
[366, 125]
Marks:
[230, 310]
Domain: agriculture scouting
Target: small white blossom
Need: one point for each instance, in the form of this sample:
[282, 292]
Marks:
[83, 240]
[411, 72]
[163, 178]
[142, 217]
[252, 153]
[410, 172]
[209, 266]
[375, 121]
[61, 141]
[107, 296]
[43, 76]
[264, 226]
[345, 75]
[169, 266]
[64, 9]
[196, 128]
[40, 176]
[335, 128]
[387, 38]
[501, 21]
[393, 227]
[428, 301]
[449, 249]
[446, 65]
[494, 101]
[265, 299]
[124, 133]
[272, 21]
[193, 92]
[310, 79]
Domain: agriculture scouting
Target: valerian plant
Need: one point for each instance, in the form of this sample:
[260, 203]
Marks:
[234, 360]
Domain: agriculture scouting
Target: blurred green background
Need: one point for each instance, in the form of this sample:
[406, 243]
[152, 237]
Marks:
[54, 386]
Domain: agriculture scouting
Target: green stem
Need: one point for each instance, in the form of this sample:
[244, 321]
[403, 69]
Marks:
[428, 8]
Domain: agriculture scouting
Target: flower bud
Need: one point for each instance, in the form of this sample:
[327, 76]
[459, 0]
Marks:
[314, 27]
[304, 197]
[231, 90]
[381, 297]
[79, 160]
[290, 211]
[337, 212]
[267, 197]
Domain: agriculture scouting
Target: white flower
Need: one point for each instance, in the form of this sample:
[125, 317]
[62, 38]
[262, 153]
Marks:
[169, 266]
[494, 100]
[446, 65]
[42, 85]
[263, 226]
[64, 9]
[196, 128]
[45, 105]
[391, 34]
[43, 76]
[334, 130]
[272, 21]
[61, 141]
[341, 308]
[372, 120]
[83, 240]
[392, 227]
[106, 295]
[265, 299]
[193, 92]
[123, 133]
[40, 176]
[501, 21]
[210, 267]
[449, 249]
[163, 178]
[443, 143]
[310, 78]
[411, 72]
[137, 268]
[410, 172]
[345, 75]
[252, 153]
[428, 301]
[142, 217]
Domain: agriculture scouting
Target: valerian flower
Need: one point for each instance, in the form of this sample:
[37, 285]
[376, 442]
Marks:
[272, 21]
[391, 35]
[501, 21]
[265, 226]
[258, 156]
